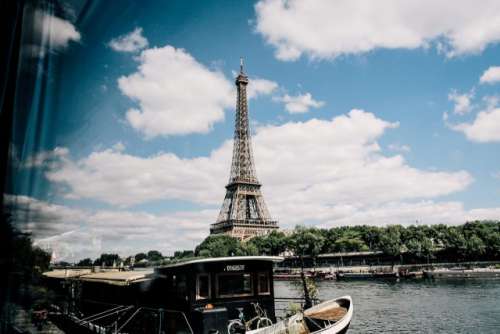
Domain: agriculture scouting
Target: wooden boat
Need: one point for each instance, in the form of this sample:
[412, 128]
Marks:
[330, 317]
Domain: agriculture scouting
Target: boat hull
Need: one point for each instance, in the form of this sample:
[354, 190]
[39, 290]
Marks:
[462, 274]
[299, 323]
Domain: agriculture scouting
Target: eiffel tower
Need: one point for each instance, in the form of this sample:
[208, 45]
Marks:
[244, 213]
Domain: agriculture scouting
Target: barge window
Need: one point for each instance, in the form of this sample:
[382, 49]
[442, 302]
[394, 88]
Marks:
[203, 286]
[263, 284]
[234, 285]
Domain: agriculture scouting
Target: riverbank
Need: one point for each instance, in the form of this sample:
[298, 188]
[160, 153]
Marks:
[403, 270]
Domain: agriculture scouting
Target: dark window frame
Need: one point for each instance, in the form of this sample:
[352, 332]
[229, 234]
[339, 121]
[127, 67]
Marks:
[217, 281]
[268, 281]
[209, 287]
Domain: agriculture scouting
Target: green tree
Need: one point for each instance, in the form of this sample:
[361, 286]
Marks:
[140, 256]
[306, 241]
[273, 243]
[87, 262]
[219, 245]
[183, 254]
[350, 241]
[390, 241]
[154, 255]
[107, 260]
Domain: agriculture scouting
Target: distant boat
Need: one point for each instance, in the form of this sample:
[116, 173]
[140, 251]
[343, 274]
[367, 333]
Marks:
[330, 317]
[462, 273]
[366, 275]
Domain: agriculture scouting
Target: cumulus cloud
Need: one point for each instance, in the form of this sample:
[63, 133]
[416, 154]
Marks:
[123, 179]
[52, 33]
[72, 234]
[399, 148]
[331, 162]
[484, 128]
[131, 42]
[300, 103]
[491, 75]
[176, 95]
[462, 101]
[322, 172]
[44, 157]
[258, 87]
[40, 218]
[327, 29]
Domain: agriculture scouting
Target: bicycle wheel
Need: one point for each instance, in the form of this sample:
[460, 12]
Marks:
[264, 322]
[235, 326]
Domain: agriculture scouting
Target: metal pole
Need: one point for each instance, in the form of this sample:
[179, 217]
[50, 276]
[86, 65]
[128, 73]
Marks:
[160, 325]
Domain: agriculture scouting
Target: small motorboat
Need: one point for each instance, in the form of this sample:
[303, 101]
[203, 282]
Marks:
[330, 317]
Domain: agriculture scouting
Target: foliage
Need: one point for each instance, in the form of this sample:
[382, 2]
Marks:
[273, 243]
[183, 254]
[471, 241]
[306, 241]
[292, 309]
[22, 266]
[220, 245]
[85, 262]
[154, 255]
[107, 260]
[140, 256]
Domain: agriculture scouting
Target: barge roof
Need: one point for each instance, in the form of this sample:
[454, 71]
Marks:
[109, 277]
[224, 259]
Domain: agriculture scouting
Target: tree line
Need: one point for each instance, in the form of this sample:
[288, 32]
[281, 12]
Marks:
[475, 240]
[470, 241]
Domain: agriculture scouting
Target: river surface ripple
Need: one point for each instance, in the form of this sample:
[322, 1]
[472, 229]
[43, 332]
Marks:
[414, 306]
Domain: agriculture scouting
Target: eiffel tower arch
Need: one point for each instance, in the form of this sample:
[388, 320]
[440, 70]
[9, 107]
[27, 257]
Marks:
[244, 213]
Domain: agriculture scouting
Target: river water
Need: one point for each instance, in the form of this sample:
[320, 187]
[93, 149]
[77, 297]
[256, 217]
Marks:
[414, 306]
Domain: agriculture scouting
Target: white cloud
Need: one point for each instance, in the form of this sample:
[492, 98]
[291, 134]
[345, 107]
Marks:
[119, 146]
[327, 29]
[73, 234]
[322, 172]
[52, 34]
[40, 218]
[462, 101]
[131, 42]
[258, 87]
[484, 128]
[300, 103]
[399, 148]
[122, 179]
[491, 75]
[176, 94]
[318, 162]
[44, 157]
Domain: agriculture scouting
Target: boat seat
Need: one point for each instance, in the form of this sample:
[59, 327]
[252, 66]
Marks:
[331, 314]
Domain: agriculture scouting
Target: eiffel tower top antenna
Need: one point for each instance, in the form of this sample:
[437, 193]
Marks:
[241, 65]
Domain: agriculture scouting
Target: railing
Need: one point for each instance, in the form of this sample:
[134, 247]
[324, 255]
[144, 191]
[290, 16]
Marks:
[125, 315]
[247, 222]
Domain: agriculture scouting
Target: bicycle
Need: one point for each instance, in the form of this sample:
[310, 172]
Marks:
[240, 325]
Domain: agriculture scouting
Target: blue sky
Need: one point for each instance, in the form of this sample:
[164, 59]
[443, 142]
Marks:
[360, 115]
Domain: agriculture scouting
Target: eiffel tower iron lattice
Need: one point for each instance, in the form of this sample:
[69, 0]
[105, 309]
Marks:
[244, 213]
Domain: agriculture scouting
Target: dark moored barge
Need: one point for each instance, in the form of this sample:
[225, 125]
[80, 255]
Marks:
[204, 296]
[198, 296]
